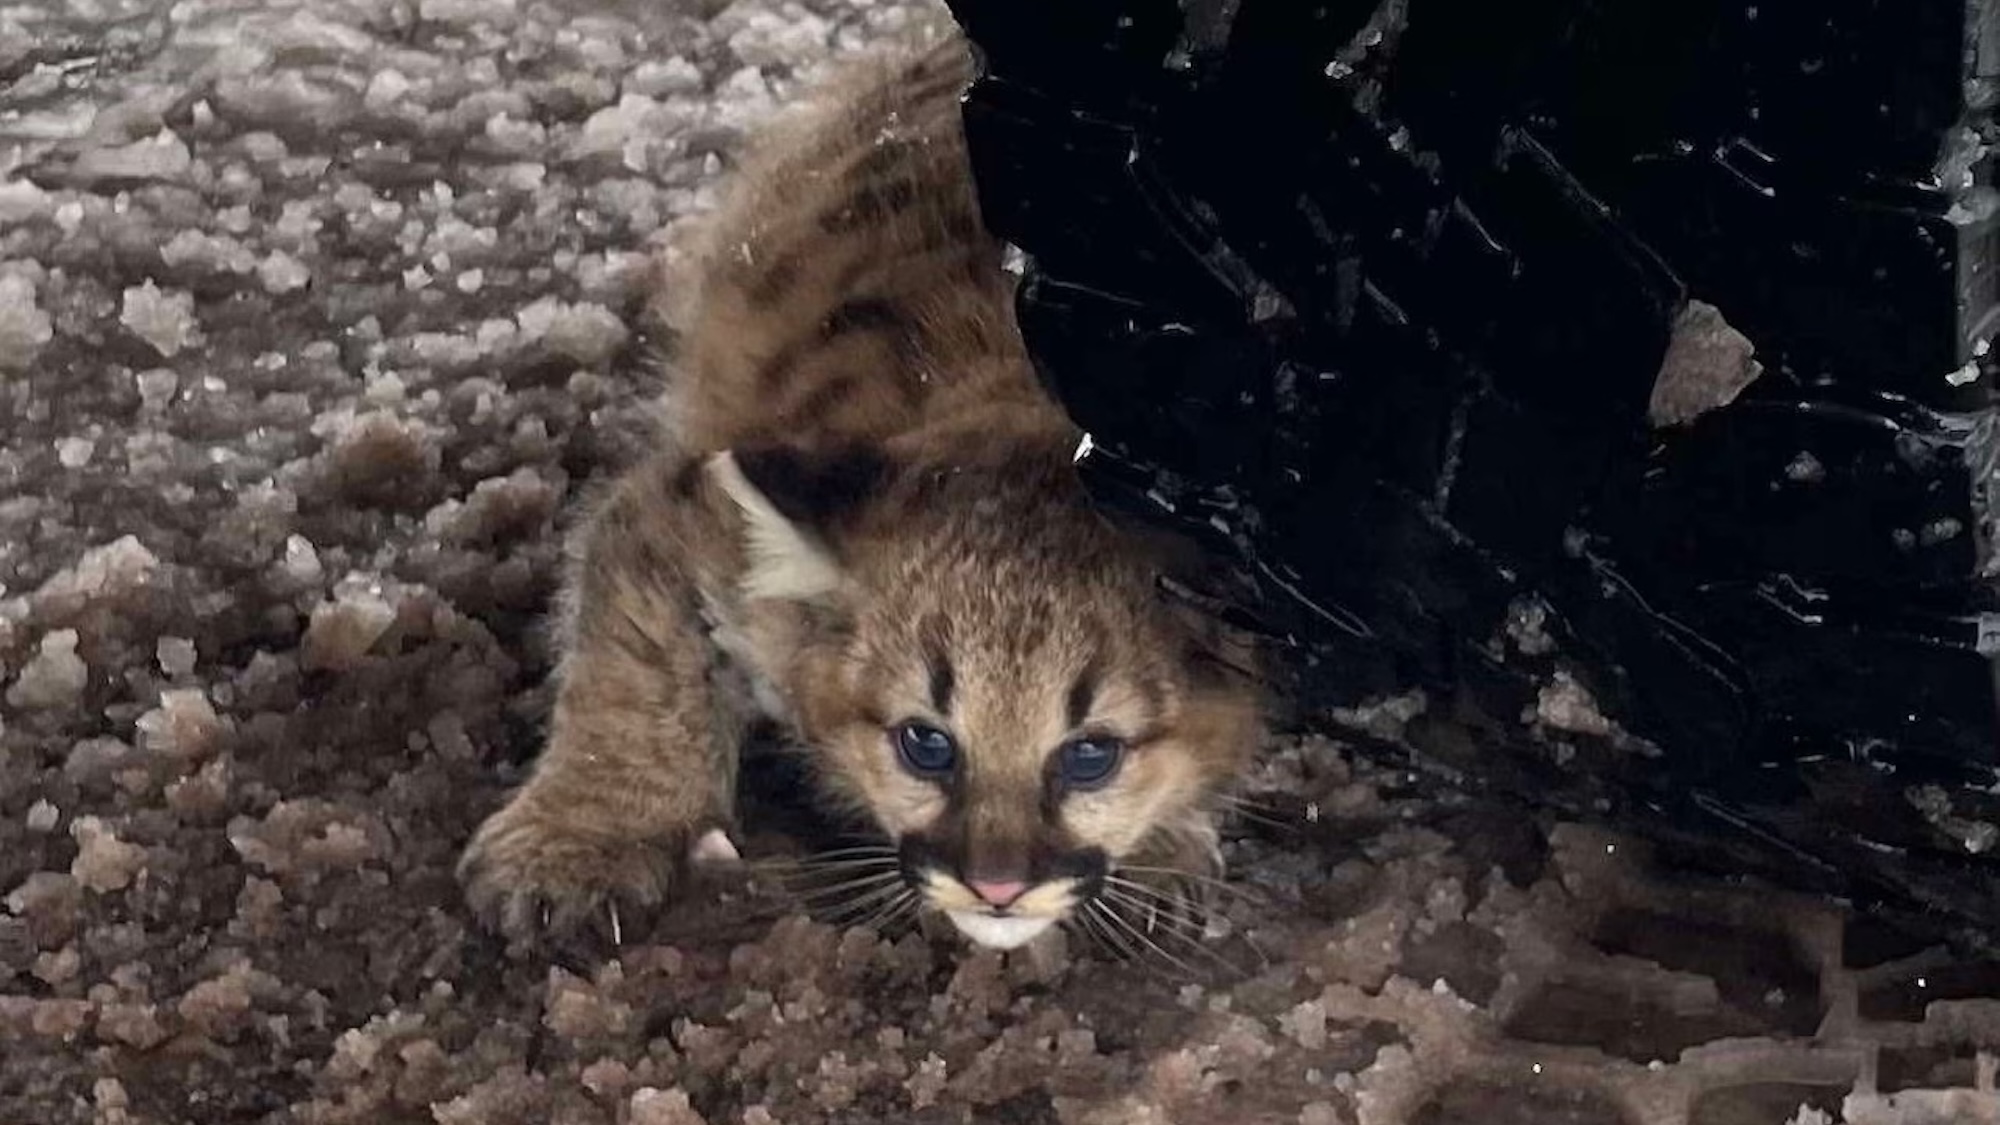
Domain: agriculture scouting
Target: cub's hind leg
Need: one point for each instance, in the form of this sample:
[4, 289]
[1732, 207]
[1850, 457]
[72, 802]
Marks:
[640, 761]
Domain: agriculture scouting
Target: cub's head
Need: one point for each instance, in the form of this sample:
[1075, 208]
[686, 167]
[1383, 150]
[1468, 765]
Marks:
[989, 675]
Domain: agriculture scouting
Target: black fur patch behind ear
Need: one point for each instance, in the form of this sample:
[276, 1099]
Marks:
[814, 488]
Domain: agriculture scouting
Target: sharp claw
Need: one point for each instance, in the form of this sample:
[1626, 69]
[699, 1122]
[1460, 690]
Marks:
[545, 916]
[617, 928]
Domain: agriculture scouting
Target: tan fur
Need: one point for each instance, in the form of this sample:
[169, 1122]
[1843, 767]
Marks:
[867, 497]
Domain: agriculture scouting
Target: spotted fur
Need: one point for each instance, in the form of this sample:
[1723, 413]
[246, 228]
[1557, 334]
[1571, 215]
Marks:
[867, 514]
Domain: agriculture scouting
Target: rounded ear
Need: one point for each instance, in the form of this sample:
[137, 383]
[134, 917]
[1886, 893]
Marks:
[795, 502]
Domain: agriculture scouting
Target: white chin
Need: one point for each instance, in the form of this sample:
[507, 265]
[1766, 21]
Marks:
[998, 933]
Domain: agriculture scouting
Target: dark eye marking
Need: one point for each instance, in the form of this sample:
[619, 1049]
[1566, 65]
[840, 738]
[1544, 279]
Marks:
[942, 680]
[924, 750]
[1089, 762]
[1082, 694]
[932, 638]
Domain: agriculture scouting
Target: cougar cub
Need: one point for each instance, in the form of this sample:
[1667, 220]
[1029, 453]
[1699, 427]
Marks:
[869, 528]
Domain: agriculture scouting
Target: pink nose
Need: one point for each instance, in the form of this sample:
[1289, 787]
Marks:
[998, 892]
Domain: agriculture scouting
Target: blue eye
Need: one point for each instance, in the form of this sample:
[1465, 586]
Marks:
[926, 751]
[1088, 762]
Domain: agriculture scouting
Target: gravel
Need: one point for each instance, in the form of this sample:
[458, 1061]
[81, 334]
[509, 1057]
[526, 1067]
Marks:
[314, 317]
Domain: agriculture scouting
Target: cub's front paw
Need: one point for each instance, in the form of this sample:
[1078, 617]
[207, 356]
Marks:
[532, 875]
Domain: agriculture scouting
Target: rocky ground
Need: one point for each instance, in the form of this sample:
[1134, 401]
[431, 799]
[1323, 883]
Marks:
[314, 315]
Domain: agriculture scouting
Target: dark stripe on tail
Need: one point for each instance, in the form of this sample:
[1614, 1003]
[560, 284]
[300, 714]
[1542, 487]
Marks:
[869, 314]
[857, 316]
[778, 367]
[869, 205]
[775, 283]
[823, 399]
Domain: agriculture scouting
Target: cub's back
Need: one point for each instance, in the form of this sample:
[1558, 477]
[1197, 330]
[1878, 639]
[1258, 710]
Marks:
[846, 289]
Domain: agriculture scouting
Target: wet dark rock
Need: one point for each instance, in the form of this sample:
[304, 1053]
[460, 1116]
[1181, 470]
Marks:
[1661, 328]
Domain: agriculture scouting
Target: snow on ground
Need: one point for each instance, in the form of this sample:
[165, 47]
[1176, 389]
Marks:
[314, 316]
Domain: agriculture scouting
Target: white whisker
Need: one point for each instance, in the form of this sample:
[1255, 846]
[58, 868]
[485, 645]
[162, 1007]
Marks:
[860, 905]
[1149, 944]
[1175, 925]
